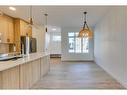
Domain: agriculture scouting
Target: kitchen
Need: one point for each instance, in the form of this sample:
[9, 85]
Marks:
[32, 35]
[22, 64]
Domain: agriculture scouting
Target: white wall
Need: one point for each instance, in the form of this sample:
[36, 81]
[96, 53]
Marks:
[55, 46]
[66, 56]
[111, 43]
[39, 34]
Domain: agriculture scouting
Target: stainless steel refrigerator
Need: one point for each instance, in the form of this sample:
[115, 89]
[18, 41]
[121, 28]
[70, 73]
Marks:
[28, 45]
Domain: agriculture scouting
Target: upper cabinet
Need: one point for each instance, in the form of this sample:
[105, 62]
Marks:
[24, 29]
[21, 29]
[10, 36]
[6, 29]
[11, 29]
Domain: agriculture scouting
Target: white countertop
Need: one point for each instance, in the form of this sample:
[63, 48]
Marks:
[12, 63]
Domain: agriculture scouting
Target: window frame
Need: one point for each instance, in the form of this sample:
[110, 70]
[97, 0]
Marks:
[82, 44]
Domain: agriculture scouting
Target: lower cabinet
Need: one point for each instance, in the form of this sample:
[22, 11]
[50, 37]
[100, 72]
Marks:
[0, 80]
[9, 79]
[29, 74]
[45, 65]
[36, 71]
[25, 75]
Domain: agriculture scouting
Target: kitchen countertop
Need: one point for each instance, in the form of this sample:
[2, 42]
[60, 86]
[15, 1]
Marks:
[12, 63]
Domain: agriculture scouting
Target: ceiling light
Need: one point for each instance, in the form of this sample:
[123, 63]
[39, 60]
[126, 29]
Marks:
[53, 29]
[85, 31]
[12, 8]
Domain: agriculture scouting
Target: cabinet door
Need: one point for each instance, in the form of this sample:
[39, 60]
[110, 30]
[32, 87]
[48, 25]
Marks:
[29, 31]
[35, 71]
[10, 38]
[10, 78]
[24, 29]
[3, 29]
[25, 76]
[29, 74]
[0, 80]
[6, 29]
[45, 65]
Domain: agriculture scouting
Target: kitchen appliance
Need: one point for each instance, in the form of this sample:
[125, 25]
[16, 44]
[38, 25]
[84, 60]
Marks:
[33, 45]
[28, 45]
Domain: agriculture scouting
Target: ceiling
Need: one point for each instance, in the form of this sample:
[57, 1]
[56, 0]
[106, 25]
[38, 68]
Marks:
[61, 16]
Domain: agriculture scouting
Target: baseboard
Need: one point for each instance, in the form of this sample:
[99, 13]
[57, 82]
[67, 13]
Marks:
[77, 60]
[55, 55]
[123, 84]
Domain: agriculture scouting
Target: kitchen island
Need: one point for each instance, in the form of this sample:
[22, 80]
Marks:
[24, 72]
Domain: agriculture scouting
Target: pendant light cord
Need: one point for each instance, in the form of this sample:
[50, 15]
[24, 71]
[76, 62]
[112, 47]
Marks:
[84, 20]
[30, 11]
[85, 23]
[46, 21]
[85, 16]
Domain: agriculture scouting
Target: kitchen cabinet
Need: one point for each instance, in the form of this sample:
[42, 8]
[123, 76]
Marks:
[24, 29]
[45, 65]
[3, 29]
[25, 76]
[20, 30]
[6, 29]
[9, 79]
[29, 74]
[36, 71]
[10, 36]
[0, 80]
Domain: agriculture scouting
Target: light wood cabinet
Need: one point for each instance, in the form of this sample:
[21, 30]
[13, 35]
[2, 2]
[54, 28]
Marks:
[24, 29]
[3, 29]
[17, 34]
[25, 76]
[9, 79]
[10, 36]
[20, 30]
[0, 80]
[29, 74]
[36, 71]
[6, 29]
[45, 65]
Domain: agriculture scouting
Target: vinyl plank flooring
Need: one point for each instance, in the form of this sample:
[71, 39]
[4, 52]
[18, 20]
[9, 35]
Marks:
[76, 75]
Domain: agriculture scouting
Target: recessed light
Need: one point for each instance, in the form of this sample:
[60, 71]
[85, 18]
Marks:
[53, 29]
[12, 8]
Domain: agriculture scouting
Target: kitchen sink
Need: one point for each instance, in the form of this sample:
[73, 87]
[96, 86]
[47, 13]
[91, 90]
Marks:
[7, 57]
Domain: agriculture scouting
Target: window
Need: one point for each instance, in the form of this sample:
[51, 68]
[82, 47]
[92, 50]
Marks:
[76, 44]
[56, 38]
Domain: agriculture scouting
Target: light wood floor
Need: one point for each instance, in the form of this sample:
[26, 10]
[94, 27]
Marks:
[76, 75]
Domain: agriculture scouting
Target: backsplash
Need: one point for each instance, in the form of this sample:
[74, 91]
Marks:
[4, 48]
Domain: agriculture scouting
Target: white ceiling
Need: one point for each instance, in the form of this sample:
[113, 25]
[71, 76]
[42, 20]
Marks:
[61, 16]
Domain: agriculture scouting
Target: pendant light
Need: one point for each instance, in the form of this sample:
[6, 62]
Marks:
[46, 15]
[30, 25]
[85, 31]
